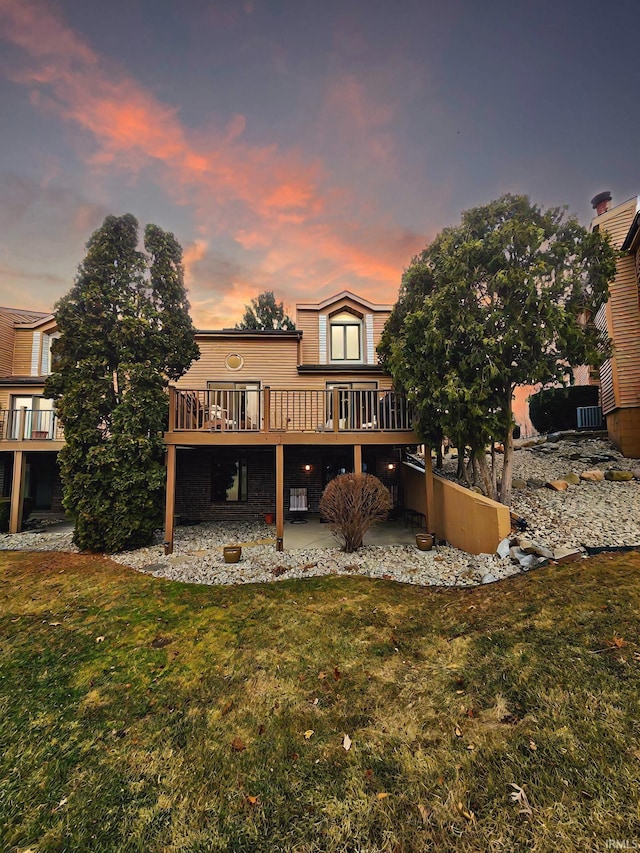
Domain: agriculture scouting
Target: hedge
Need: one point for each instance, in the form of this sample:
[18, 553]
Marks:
[554, 409]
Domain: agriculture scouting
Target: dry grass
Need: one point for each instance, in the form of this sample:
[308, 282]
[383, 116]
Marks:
[183, 729]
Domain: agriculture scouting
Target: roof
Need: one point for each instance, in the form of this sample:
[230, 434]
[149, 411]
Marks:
[23, 315]
[345, 294]
[632, 234]
[251, 333]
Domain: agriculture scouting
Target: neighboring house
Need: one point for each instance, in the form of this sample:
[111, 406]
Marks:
[619, 318]
[29, 433]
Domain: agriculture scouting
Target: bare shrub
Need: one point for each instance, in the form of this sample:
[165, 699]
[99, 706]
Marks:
[351, 503]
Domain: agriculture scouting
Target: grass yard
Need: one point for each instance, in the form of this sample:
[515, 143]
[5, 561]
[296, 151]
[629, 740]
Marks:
[138, 714]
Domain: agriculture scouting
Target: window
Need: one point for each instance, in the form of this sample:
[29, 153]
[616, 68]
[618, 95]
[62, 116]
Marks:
[49, 360]
[228, 480]
[346, 337]
[39, 418]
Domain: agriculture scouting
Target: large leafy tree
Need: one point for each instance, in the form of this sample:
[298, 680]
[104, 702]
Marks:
[264, 312]
[495, 302]
[125, 331]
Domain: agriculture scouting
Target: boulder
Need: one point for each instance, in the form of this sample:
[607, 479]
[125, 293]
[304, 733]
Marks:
[535, 548]
[566, 554]
[636, 473]
[594, 476]
[529, 562]
[489, 578]
[516, 483]
[535, 483]
[557, 485]
[503, 548]
[618, 476]
[571, 478]
[516, 553]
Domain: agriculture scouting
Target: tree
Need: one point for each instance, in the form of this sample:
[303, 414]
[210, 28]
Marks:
[125, 331]
[493, 303]
[265, 313]
[351, 503]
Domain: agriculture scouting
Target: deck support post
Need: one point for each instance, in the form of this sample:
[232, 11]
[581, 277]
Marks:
[357, 459]
[17, 490]
[279, 497]
[428, 482]
[170, 499]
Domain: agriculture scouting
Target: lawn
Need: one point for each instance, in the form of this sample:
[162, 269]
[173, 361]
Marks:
[138, 714]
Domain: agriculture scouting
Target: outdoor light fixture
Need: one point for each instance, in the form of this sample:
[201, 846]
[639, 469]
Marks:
[307, 467]
[391, 466]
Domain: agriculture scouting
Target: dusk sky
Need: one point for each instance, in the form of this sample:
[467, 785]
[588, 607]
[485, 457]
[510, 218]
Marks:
[302, 147]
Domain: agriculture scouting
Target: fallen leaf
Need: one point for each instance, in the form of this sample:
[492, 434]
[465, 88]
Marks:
[55, 624]
[337, 675]
[458, 732]
[315, 701]
[237, 744]
[618, 642]
[322, 676]
[99, 639]
[308, 734]
[424, 813]
[253, 800]
[471, 747]
[532, 745]
[346, 743]
[518, 796]
[468, 815]
[382, 795]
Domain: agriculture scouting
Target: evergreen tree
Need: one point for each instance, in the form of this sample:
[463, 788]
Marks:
[125, 331]
[265, 313]
[494, 303]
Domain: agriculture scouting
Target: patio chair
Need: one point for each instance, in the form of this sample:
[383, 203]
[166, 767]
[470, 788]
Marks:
[298, 505]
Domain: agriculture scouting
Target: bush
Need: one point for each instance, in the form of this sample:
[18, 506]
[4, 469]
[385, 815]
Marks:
[351, 503]
[5, 511]
[554, 409]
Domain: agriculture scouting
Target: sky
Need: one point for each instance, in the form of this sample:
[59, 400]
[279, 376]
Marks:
[306, 146]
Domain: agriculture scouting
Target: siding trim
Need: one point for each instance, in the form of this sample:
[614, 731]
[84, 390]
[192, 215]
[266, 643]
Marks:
[35, 353]
[368, 324]
[322, 333]
[45, 354]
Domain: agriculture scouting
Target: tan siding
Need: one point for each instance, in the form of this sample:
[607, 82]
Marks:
[7, 334]
[379, 320]
[307, 323]
[22, 352]
[625, 321]
[617, 221]
[272, 362]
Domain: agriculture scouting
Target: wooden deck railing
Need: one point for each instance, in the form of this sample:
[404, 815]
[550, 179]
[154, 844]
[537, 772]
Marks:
[29, 425]
[294, 410]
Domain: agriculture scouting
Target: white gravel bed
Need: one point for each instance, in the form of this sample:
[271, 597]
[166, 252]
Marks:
[604, 514]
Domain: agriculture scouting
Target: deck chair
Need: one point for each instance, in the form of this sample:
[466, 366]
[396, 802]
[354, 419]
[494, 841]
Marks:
[298, 505]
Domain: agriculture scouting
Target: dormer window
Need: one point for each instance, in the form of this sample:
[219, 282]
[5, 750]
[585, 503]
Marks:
[346, 337]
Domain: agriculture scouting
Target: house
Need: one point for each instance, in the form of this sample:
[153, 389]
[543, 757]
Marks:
[29, 433]
[619, 319]
[263, 421]
[257, 426]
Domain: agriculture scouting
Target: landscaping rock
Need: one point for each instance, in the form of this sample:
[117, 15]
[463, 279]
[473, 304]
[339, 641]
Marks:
[571, 478]
[489, 578]
[594, 476]
[558, 485]
[518, 484]
[618, 476]
[535, 548]
[503, 548]
[566, 554]
[535, 483]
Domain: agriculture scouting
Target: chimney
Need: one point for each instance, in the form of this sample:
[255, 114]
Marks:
[601, 202]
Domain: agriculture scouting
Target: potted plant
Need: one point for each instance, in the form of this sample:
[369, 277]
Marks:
[268, 518]
[232, 553]
[424, 541]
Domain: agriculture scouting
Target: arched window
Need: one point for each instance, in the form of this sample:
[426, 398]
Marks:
[346, 337]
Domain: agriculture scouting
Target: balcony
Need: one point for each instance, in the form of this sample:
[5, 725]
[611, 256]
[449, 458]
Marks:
[267, 410]
[29, 425]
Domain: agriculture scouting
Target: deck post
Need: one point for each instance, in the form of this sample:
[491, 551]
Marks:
[428, 477]
[336, 409]
[357, 459]
[266, 418]
[170, 499]
[172, 408]
[279, 497]
[17, 490]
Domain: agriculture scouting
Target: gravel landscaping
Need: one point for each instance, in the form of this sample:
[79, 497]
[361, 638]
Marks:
[588, 514]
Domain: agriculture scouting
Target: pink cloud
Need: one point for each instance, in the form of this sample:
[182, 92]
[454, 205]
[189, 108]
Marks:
[276, 203]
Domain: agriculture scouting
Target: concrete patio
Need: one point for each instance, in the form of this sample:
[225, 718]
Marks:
[314, 534]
